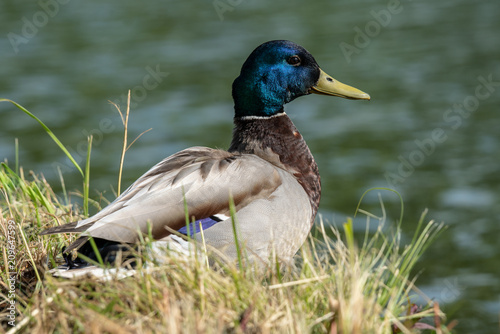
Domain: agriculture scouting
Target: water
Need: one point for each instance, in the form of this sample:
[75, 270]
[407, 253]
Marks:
[418, 63]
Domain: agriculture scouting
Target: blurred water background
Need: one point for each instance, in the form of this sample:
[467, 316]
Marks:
[431, 130]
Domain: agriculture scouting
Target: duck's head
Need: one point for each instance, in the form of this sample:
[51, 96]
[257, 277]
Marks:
[277, 72]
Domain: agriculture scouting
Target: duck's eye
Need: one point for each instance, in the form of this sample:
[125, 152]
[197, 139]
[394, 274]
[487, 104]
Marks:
[293, 60]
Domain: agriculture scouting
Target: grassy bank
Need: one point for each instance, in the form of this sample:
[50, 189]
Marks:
[338, 284]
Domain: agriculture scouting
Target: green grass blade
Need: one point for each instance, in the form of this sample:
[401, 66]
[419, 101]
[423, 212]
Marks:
[96, 252]
[382, 188]
[17, 156]
[86, 182]
[186, 214]
[234, 224]
[49, 132]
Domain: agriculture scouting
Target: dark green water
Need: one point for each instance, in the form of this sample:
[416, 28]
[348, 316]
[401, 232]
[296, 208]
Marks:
[431, 131]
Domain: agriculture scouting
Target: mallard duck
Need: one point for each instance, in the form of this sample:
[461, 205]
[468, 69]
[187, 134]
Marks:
[268, 172]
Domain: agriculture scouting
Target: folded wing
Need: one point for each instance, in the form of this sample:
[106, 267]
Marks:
[202, 178]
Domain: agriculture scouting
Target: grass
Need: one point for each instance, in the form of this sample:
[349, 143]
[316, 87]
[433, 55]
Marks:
[338, 284]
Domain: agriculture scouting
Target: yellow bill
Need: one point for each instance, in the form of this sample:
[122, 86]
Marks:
[329, 86]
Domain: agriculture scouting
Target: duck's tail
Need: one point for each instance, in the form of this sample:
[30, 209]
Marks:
[113, 252]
